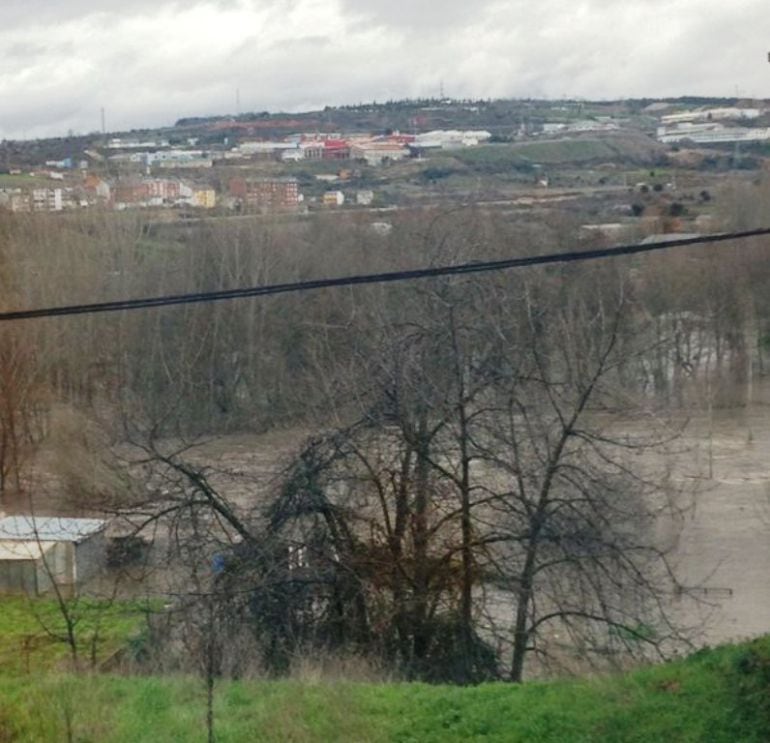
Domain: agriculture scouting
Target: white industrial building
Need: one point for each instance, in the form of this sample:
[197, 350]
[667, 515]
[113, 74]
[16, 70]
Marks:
[377, 153]
[36, 552]
[711, 114]
[581, 126]
[450, 138]
[712, 134]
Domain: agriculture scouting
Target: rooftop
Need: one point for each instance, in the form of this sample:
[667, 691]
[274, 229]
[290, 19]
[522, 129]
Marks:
[49, 528]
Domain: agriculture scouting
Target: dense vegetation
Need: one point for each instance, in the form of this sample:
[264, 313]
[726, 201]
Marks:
[717, 696]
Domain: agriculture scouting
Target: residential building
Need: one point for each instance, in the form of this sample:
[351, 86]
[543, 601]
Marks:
[333, 198]
[265, 193]
[35, 199]
[15, 200]
[162, 191]
[47, 200]
[98, 187]
[204, 198]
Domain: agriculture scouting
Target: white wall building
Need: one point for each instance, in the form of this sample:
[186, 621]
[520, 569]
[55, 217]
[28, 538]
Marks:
[333, 198]
[364, 197]
[711, 114]
[36, 552]
[448, 138]
[711, 134]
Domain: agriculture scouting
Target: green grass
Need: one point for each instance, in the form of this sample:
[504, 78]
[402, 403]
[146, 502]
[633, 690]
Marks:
[33, 632]
[546, 153]
[716, 695]
[495, 157]
[24, 181]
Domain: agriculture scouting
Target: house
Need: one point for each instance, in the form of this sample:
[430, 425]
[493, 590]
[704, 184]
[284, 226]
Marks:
[38, 552]
[333, 198]
[204, 198]
[98, 187]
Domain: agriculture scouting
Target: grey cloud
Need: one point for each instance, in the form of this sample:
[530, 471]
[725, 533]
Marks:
[16, 13]
[418, 16]
[149, 62]
[19, 13]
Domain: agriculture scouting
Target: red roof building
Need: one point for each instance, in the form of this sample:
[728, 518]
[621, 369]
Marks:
[336, 149]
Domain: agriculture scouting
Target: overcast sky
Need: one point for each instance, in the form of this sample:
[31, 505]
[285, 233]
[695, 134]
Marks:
[150, 62]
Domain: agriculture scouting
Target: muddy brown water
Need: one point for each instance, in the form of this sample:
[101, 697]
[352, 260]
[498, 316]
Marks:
[722, 546]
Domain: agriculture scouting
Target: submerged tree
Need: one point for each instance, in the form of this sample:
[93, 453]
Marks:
[580, 481]
[487, 472]
[500, 446]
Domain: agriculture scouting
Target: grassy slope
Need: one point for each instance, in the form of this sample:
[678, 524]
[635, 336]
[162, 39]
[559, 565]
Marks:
[27, 181]
[719, 695]
[32, 633]
[562, 151]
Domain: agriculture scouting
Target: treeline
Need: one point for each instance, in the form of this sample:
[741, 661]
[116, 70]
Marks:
[250, 364]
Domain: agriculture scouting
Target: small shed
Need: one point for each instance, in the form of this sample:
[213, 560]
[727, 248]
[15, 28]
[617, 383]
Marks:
[36, 551]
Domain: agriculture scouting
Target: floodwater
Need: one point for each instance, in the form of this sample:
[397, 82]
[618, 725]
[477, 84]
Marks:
[724, 546]
[721, 546]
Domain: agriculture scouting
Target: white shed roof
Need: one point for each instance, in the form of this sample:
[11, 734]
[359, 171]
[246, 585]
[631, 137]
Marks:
[49, 528]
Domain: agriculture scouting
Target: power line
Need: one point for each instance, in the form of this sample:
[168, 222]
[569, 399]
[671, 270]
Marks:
[378, 278]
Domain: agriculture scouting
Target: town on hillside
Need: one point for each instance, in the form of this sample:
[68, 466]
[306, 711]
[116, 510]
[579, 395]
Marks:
[386, 156]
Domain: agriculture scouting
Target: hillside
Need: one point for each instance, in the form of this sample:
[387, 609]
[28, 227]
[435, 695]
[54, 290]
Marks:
[715, 695]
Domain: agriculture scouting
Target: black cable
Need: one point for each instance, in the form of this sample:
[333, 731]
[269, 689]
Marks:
[378, 278]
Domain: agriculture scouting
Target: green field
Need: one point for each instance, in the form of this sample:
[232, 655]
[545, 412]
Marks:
[559, 152]
[24, 181]
[33, 633]
[716, 695]
[547, 152]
